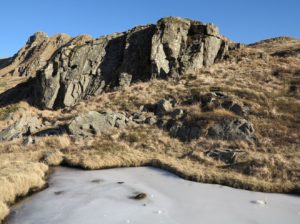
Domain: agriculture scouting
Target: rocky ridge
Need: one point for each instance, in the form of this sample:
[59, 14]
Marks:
[172, 47]
[34, 55]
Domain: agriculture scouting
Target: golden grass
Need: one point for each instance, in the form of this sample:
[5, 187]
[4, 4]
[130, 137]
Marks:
[272, 164]
[4, 211]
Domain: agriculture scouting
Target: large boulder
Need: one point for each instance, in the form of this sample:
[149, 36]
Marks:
[92, 122]
[164, 107]
[86, 66]
[24, 126]
[232, 129]
[182, 46]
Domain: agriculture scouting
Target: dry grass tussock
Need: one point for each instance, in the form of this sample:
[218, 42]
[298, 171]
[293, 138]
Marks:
[271, 164]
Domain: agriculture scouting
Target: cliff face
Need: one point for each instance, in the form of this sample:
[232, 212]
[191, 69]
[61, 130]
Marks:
[85, 66]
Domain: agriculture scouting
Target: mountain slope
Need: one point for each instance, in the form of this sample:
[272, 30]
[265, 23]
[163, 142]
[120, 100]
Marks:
[235, 121]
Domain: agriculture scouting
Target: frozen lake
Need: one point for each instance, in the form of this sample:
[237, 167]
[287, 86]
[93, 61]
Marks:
[105, 196]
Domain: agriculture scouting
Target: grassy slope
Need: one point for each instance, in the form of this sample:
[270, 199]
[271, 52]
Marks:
[273, 164]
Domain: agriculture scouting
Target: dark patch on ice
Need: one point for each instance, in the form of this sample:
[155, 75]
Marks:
[97, 181]
[139, 196]
[59, 192]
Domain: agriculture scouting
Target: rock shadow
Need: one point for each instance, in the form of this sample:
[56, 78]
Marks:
[21, 92]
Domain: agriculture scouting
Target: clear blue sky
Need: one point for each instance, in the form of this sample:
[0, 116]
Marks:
[241, 21]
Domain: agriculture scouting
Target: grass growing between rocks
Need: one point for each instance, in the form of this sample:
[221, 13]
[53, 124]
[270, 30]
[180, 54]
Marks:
[272, 164]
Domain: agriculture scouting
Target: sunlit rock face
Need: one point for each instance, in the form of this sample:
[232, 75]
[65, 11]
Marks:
[86, 66]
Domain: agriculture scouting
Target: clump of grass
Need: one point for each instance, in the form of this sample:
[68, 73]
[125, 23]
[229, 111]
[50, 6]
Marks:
[5, 111]
[3, 84]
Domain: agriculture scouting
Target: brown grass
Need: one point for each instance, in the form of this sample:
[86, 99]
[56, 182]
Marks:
[272, 164]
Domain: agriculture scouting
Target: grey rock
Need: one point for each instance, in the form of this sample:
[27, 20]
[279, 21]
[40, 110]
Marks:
[187, 133]
[120, 124]
[151, 120]
[183, 131]
[125, 79]
[138, 118]
[181, 46]
[24, 126]
[209, 101]
[93, 122]
[163, 107]
[226, 155]
[177, 113]
[34, 55]
[84, 66]
[82, 69]
[232, 129]
[235, 107]
[161, 123]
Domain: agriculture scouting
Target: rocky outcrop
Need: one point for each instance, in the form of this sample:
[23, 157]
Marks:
[182, 125]
[34, 55]
[182, 46]
[233, 129]
[86, 67]
[91, 123]
[217, 100]
[23, 127]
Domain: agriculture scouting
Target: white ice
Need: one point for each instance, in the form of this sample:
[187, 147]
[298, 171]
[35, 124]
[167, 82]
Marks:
[86, 197]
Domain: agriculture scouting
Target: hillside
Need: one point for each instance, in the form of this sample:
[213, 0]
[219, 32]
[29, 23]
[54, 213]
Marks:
[176, 95]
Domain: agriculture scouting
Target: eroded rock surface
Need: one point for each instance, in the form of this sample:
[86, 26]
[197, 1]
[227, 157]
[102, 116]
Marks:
[232, 129]
[34, 55]
[24, 126]
[87, 66]
[91, 123]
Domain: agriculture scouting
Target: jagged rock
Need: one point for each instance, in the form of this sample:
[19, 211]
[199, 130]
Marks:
[120, 124]
[185, 132]
[232, 129]
[176, 129]
[164, 107]
[138, 118]
[182, 46]
[177, 113]
[151, 120]
[161, 123]
[86, 66]
[209, 101]
[218, 99]
[93, 122]
[24, 126]
[235, 107]
[34, 55]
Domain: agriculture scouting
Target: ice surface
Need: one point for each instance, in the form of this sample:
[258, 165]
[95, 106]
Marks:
[86, 197]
